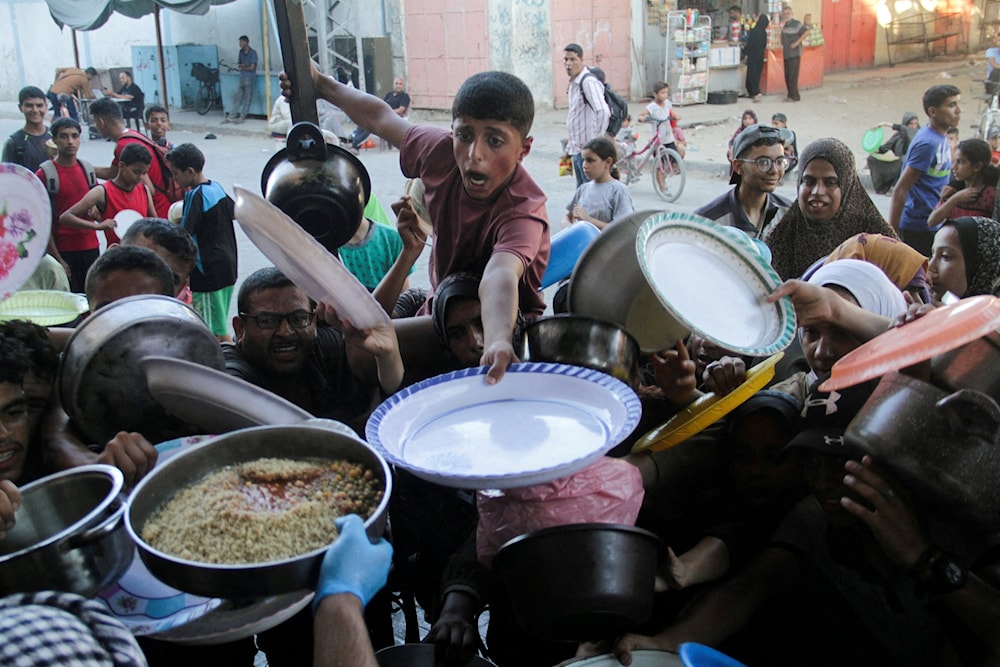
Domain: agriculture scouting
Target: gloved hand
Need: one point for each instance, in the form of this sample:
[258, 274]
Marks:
[352, 564]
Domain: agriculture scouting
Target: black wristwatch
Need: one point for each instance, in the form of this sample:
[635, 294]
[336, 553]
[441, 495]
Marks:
[938, 573]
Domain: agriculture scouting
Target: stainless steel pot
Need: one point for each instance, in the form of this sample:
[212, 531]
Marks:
[942, 446]
[583, 341]
[68, 535]
[102, 388]
[580, 582]
[417, 655]
[320, 186]
[195, 463]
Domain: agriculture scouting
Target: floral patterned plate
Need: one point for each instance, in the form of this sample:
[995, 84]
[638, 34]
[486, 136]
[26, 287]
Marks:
[25, 225]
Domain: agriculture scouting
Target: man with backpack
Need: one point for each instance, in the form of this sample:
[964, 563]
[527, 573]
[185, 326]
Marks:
[107, 118]
[26, 146]
[67, 179]
[589, 112]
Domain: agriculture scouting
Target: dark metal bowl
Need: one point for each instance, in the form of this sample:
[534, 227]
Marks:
[583, 341]
[580, 582]
[320, 186]
[68, 535]
[193, 464]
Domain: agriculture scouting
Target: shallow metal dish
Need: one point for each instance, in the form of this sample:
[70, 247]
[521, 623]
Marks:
[193, 464]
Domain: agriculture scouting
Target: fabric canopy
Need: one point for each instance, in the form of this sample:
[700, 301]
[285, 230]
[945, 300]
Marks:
[92, 14]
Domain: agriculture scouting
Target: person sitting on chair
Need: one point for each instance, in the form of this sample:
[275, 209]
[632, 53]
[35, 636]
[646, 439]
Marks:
[134, 98]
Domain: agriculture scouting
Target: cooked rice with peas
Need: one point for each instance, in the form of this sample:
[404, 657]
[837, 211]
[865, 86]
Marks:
[264, 510]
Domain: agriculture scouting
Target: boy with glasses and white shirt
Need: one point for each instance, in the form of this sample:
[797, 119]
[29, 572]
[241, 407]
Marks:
[758, 165]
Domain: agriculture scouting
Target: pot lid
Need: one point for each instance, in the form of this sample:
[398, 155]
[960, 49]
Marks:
[941, 330]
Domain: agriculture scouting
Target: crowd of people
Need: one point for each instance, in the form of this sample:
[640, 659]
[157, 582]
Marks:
[790, 542]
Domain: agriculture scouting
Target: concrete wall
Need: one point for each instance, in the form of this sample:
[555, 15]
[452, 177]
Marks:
[26, 24]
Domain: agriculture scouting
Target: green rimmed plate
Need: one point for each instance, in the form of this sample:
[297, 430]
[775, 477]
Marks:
[872, 139]
[714, 284]
[46, 308]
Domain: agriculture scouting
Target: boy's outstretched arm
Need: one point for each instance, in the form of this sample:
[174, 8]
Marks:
[499, 299]
[368, 111]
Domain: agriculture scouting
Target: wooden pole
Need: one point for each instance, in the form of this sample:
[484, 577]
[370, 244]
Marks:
[291, 25]
[76, 51]
[265, 30]
[159, 54]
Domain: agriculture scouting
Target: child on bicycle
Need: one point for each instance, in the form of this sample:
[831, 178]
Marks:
[603, 198]
[659, 111]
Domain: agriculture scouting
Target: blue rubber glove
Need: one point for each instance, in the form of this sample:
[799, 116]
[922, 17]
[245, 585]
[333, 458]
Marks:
[352, 564]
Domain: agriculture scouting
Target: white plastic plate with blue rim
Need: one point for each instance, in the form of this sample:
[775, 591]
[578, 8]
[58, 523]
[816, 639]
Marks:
[540, 422]
[25, 225]
[715, 284]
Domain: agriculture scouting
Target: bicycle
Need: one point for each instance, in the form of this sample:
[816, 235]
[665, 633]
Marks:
[989, 117]
[669, 173]
[209, 94]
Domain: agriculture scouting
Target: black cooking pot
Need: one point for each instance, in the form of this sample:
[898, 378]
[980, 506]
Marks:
[580, 582]
[320, 186]
[943, 447]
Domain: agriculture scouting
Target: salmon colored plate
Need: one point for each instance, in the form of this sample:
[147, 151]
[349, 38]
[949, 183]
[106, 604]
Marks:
[937, 332]
[707, 410]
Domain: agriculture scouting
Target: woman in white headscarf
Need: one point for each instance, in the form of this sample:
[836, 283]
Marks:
[859, 282]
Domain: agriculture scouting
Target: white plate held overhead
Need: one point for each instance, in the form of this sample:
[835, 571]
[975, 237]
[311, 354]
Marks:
[541, 422]
[714, 284]
[25, 225]
[306, 262]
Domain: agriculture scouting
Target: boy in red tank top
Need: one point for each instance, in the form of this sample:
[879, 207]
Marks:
[125, 191]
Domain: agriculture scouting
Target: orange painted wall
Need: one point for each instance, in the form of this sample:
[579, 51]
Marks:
[603, 29]
[445, 43]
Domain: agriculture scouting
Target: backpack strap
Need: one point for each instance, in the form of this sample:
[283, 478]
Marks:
[88, 170]
[583, 91]
[19, 141]
[51, 177]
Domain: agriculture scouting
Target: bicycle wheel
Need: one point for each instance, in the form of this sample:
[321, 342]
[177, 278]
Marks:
[990, 119]
[205, 100]
[669, 174]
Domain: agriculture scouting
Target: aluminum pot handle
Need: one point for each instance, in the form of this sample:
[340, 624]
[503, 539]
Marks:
[973, 412]
[108, 526]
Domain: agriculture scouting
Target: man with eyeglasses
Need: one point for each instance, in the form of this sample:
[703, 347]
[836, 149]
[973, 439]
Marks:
[280, 346]
[759, 163]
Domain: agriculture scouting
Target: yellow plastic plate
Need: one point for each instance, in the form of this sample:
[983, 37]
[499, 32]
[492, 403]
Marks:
[707, 410]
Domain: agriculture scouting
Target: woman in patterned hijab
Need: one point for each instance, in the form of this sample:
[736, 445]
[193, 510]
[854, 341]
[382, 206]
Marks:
[972, 243]
[832, 206]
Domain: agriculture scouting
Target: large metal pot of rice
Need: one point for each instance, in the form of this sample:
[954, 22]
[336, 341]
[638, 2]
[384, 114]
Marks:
[68, 534]
[239, 531]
